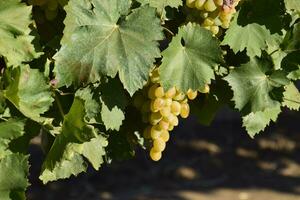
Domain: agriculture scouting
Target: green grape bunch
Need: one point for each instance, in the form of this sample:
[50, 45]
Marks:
[161, 111]
[215, 13]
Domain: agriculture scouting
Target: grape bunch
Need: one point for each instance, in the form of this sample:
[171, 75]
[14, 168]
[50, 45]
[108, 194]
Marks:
[50, 7]
[214, 13]
[160, 110]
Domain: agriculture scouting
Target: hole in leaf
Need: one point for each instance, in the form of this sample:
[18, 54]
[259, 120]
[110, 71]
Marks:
[182, 42]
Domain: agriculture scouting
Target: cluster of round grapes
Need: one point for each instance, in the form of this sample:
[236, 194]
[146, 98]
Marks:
[50, 7]
[160, 110]
[215, 13]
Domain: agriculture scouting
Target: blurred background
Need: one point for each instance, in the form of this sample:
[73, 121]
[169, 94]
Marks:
[220, 162]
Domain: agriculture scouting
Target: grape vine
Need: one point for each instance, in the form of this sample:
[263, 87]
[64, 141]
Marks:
[80, 76]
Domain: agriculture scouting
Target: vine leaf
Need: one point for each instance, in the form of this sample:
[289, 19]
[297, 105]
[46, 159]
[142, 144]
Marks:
[15, 40]
[291, 97]
[252, 85]
[13, 176]
[113, 102]
[291, 64]
[256, 122]
[65, 156]
[292, 5]
[251, 37]
[10, 130]
[190, 59]
[160, 5]
[101, 40]
[29, 92]
[92, 107]
[94, 151]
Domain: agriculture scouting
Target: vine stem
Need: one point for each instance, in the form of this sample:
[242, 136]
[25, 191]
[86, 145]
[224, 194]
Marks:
[61, 111]
[169, 31]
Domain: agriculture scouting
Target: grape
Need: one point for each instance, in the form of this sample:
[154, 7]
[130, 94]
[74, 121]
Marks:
[205, 90]
[214, 30]
[170, 128]
[168, 102]
[159, 92]
[165, 111]
[159, 145]
[192, 94]
[185, 110]
[157, 104]
[199, 4]
[219, 2]
[151, 92]
[155, 156]
[190, 3]
[210, 5]
[165, 135]
[155, 118]
[173, 120]
[171, 92]
[176, 108]
[164, 125]
[155, 132]
[179, 96]
[154, 76]
[204, 14]
[208, 22]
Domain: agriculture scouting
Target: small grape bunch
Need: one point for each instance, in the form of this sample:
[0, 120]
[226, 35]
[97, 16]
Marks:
[160, 110]
[215, 13]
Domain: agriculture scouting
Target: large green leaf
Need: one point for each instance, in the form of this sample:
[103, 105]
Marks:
[101, 40]
[29, 92]
[191, 58]
[251, 37]
[252, 85]
[13, 177]
[256, 122]
[15, 42]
